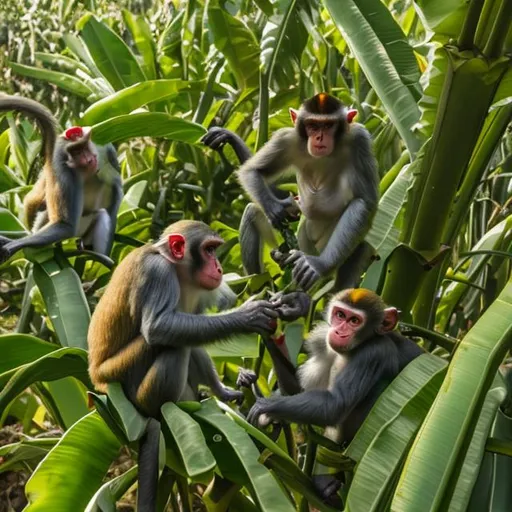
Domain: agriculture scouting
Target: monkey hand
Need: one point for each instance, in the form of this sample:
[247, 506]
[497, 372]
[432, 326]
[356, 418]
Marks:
[217, 137]
[258, 316]
[230, 395]
[258, 415]
[282, 210]
[307, 269]
[291, 306]
[246, 378]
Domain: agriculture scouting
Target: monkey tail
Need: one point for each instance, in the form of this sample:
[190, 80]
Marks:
[148, 468]
[44, 118]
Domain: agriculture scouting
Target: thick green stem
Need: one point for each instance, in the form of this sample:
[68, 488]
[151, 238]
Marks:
[491, 134]
[467, 35]
[263, 111]
[499, 30]
[207, 95]
[404, 277]
[388, 178]
[424, 306]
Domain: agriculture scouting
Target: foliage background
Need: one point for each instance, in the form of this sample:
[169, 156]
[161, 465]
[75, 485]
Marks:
[431, 81]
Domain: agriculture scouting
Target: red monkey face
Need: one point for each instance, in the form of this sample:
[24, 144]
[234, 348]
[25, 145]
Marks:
[345, 322]
[210, 275]
[320, 137]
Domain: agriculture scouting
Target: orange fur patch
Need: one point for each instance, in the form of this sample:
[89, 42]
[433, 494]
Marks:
[322, 98]
[358, 293]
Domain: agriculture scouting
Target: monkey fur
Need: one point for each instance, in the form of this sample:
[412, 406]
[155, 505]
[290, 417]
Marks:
[338, 191]
[77, 194]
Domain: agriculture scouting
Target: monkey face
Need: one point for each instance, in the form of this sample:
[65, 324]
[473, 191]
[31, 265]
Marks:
[346, 322]
[209, 276]
[84, 159]
[82, 154]
[321, 135]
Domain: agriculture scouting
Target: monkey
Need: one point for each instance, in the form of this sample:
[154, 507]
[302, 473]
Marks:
[147, 331]
[354, 354]
[337, 178]
[74, 195]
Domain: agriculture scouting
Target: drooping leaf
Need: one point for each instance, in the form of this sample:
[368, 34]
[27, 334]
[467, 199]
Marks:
[20, 349]
[25, 451]
[65, 301]
[61, 363]
[441, 445]
[387, 59]
[128, 99]
[472, 463]
[154, 124]
[143, 39]
[9, 222]
[265, 489]
[109, 493]
[188, 439]
[236, 42]
[66, 82]
[110, 54]
[74, 468]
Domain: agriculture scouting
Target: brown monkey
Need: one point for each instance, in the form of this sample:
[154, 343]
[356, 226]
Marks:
[338, 191]
[74, 195]
[147, 331]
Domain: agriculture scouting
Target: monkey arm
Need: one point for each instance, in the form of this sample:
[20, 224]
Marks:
[155, 299]
[272, 159]
[243, 153]
[370, 363]
[217, 137]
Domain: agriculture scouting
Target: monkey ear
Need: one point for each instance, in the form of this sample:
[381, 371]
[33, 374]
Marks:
[87, 132]
[390, 320]
[293, 114]
[351, 114]
[176, 243]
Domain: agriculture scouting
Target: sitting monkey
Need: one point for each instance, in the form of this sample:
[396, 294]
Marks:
[354, 355]
[148, 333]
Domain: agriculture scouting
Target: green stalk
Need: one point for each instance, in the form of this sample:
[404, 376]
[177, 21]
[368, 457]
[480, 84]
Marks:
[490, 136]
[499, 30]
[467, 34]
[498, 446]
[263, 111]
[390, 176]
[207, 95]
[472, 82]
[424, 306]
[404, 276]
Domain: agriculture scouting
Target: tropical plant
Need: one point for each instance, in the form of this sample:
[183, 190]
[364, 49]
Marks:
[432, 82]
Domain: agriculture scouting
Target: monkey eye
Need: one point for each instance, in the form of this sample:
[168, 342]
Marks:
[209, 249]
[354, 320]
[340, 314]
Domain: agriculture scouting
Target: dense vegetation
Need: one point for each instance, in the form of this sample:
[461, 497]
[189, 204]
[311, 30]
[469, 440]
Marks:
[432, 82]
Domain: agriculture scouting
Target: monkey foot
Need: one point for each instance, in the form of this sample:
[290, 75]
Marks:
[230, 395]
[246, 378]
[327, 487]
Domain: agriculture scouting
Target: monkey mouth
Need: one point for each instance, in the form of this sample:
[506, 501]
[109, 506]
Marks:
[340, 341]
[211, 281]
